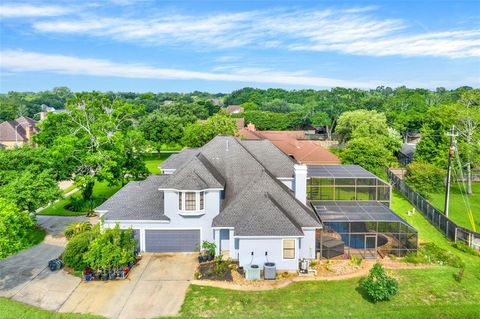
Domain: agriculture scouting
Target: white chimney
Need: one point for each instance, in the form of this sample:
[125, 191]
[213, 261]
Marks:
[300, 185]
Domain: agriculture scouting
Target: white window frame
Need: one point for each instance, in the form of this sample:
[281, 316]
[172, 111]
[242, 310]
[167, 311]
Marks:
[294, 249]
[182, 207]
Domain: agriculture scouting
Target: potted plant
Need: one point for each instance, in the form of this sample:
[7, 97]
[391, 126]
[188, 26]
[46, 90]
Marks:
[209, 249]
[88, 272]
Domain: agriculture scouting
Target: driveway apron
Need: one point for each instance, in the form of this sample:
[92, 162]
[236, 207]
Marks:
[25, 276]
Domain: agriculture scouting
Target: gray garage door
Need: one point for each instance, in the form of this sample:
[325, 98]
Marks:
[172, 240]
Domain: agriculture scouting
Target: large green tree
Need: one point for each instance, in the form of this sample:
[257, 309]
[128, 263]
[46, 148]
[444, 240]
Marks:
[159, 128]
[15, 227]
[100, 140]
[200, 133]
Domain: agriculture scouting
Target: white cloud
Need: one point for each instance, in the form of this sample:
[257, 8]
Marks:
[351, 31]
[22, 61]
[27, 10]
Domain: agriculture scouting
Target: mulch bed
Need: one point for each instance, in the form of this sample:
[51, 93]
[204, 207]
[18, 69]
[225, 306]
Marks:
[205, 271]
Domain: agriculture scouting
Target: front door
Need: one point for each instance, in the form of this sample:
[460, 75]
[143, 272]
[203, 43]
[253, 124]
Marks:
[370, 246]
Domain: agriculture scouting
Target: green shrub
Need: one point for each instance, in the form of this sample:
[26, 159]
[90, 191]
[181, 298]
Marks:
[73, 256]
[112, 248]
[75, 229]
[424, 178]
[221, 266]
[465, 248]
[378, 285]
[430, 253]
[15, 229]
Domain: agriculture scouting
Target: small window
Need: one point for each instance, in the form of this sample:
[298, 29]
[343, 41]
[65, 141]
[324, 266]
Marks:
[190, 201]
[202, 200]
[289, 249]
[180, 206]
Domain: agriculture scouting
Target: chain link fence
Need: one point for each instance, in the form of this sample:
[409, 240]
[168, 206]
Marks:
[447, 227]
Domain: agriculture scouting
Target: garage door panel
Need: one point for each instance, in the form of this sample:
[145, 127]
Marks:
[172, 240]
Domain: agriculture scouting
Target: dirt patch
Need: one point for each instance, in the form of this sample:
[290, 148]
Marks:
[209, 271]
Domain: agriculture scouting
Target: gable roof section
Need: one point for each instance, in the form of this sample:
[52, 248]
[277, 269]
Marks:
[13, 130]
[264, 209]
[175, 161]
[137, 201]
[196, 174]
[269, 156]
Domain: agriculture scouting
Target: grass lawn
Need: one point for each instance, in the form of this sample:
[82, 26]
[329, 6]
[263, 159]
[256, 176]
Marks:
[153, 160]
[424, 293]
[101, 190]
[457, 209]
[10, 309]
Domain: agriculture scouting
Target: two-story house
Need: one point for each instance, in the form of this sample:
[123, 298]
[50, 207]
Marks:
[246, 196]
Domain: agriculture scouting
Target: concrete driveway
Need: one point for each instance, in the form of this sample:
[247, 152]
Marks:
[156, 287]
[25, 276]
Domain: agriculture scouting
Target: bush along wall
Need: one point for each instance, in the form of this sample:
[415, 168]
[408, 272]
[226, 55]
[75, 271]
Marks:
[102, 254]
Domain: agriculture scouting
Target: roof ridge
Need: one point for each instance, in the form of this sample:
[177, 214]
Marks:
[209, 166]
[287, 214]
[288, 190]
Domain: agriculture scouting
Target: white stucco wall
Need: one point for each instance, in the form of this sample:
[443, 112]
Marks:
[177, 221]
[274, 248]
[307, 244]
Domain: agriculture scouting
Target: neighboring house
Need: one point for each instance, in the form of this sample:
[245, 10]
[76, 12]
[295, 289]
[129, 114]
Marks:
[45, 110]
[407, 153]
[246, 196]
[17, 132]
[234, 109]
[294, 144]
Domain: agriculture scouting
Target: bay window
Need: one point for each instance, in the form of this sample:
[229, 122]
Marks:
[191, 201]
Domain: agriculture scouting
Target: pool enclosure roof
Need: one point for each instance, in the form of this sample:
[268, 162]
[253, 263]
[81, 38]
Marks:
[355, 211]
[338, 171]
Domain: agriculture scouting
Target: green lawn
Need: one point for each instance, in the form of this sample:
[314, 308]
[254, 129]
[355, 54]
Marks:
[457, 209]
[426, 293]
[101, 190]
[153, 160]
[10, 309]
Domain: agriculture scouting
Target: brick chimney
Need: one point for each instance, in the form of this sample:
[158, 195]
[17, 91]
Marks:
[29, 133]
[251, 127]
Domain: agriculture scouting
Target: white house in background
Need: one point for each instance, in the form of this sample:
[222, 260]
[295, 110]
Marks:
[246, 196]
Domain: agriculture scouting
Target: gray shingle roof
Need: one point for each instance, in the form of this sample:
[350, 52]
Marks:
[271, 157]
[246, 207]
[255, 203]
[196, 174]
[265, 208]
[175, 161]
[137, 201]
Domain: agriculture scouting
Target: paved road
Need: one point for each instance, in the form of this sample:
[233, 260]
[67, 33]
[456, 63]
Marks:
[156, 287]
[55, 225]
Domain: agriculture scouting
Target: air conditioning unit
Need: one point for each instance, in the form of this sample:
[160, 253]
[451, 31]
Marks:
[252, 272]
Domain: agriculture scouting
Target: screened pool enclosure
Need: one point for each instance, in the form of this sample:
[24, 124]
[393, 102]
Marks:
[345, 182]
[362, 228]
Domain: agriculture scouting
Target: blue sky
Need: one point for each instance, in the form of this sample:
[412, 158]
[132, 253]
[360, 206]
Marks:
[220, 46]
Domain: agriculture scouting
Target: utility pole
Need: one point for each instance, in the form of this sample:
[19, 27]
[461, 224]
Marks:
[451, 152]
